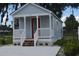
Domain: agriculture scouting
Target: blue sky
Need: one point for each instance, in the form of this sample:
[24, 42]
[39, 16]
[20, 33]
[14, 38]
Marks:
[65, 14]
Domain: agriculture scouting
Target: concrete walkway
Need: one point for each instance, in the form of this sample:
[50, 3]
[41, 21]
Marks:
[28, 51]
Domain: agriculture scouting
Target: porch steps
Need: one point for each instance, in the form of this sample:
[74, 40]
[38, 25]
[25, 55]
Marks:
[28, 42]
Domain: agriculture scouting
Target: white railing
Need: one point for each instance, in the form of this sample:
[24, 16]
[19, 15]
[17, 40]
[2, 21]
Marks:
[44, 33]
[35, 37]
[17, 33]
[22, 37]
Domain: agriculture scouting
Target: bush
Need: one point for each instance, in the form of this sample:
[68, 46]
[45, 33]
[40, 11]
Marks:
[8, 40]
[70, 47]
[2, 42]
[60, 42]
[5, 40]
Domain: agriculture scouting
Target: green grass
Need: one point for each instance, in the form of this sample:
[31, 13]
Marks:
[4, 40]
[70, 47]
[70, 44]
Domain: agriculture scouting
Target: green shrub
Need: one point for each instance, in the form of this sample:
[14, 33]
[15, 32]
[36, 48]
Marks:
[70, 47]
[60, 42]
[5, 40]
[8, 40]
[2, 42]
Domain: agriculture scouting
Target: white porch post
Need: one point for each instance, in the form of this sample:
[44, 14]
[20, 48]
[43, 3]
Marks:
[25, 26]
[24, 23]
[50, 24]
[35, 40]
[13, 23]
[24, 31]
[37, 22]
[13, 30]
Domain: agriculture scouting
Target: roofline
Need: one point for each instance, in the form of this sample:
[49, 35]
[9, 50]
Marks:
[32, 4]
[36, 6]
[42, 8]
[19, 9]
[48, 11]
[57, 17]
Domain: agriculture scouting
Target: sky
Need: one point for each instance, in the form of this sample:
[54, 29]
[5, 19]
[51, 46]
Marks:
[66, 13]
[10, 17]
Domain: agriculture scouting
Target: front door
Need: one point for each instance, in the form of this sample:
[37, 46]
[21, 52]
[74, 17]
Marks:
[28, 27]
[34, 25]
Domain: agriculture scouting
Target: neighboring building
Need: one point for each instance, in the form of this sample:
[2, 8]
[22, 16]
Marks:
[34, 25]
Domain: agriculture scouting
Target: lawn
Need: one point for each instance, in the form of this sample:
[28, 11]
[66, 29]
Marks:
[6, 39]
[69, 44]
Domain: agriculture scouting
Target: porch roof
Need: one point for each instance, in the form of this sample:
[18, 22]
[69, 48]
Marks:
[44, 10]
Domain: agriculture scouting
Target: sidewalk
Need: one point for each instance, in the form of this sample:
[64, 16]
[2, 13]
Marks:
[28, 51]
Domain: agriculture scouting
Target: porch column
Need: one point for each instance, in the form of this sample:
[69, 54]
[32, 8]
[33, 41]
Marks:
[37, 22]
[13, 23]
[35, 39]
[50, 24]
[13, 30]
[25, 26]
[24, 22]
[23, 33]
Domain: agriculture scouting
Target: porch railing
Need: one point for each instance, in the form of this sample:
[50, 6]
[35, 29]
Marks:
[22, 37]
[35, 37]
[43, 33]
[19, 35]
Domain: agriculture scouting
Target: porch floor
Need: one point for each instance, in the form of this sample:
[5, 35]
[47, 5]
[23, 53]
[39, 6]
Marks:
[28, 51]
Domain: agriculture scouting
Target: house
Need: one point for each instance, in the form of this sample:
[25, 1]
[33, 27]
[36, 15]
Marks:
[34, 25]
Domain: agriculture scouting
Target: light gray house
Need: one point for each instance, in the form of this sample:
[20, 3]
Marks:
[34, 25]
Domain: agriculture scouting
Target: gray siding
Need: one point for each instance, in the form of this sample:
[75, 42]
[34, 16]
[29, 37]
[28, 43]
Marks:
[30, 9]
[57, 29]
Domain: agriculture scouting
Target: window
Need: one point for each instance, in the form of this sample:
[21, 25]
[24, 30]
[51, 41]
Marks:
[16, 23]
[21, 23]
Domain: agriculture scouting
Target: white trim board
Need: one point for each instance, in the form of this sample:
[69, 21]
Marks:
[44, 14]
[32, 4]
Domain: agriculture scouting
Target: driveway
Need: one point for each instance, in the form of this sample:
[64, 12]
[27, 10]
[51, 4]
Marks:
[28, 51]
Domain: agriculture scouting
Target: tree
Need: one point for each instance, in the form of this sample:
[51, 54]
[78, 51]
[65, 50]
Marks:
[71, 26]
[4, 7]
[57, 8]
[71, 23]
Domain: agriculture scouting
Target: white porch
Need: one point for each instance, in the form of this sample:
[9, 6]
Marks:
[39, 30]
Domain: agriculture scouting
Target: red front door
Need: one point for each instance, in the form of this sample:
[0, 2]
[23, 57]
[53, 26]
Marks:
[38, 22]
[32, 27]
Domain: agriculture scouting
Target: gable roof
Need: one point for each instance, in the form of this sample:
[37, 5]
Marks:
[32, 4]
[36, 6]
